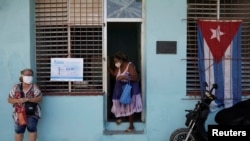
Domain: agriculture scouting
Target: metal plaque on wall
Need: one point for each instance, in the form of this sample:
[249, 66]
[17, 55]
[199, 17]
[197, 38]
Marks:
[166, 47]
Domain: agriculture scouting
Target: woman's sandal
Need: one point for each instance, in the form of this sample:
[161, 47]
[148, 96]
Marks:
[118, 121]
[129, 130]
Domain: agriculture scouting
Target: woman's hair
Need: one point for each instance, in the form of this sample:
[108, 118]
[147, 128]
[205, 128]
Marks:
[22, 72]
[121, 56]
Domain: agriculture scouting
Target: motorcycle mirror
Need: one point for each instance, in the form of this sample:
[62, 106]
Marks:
[215, 86]
[205, 84]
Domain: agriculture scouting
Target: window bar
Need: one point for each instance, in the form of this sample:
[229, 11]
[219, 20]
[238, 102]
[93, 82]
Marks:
[68, 27]
[218, 9]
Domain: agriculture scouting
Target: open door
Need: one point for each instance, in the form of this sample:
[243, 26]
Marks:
[125, 37]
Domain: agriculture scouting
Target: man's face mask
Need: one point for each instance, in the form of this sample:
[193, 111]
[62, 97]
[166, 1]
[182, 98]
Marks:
[27, 79]
[118, 64]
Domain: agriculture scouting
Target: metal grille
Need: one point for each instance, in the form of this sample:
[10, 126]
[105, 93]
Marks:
[207, 9]
[69, 28]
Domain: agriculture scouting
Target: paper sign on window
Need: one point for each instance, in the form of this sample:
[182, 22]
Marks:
[66, 69]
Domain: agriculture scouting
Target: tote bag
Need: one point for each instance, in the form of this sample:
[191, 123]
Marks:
[126, 94]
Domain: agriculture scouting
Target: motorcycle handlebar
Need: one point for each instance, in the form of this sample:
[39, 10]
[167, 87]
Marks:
[215, 86]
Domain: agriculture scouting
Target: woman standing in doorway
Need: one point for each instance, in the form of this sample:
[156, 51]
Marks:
[125, 71]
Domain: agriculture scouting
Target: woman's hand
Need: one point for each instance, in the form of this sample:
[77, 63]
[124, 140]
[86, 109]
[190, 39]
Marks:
[122, 77]
[22, 100]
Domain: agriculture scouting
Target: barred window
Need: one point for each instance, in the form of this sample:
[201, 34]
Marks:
[70, 29]
[212, 9]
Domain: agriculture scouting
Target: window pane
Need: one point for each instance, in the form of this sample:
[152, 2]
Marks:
[124, 8]
[86, 12]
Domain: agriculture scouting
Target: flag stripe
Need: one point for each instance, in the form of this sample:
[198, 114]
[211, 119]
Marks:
[227, 69]
[219, 79]
[236, 75]
[209, 66]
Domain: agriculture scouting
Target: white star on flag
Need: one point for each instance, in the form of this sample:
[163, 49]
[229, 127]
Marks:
[216, 33]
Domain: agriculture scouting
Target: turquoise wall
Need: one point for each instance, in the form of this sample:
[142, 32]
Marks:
[14, 55]
[78, 118]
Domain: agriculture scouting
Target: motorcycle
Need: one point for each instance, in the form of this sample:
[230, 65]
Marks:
[238, 114]
[195, 120]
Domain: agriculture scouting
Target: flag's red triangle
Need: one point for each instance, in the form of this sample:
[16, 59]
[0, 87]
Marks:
[218, 35]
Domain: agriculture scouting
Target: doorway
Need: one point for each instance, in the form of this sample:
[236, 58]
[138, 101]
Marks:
[125, 37]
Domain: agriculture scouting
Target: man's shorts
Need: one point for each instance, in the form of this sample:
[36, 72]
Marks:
[31, 125]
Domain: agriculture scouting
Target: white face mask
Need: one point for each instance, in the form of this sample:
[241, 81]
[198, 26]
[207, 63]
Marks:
[118, 64]
[27, 79]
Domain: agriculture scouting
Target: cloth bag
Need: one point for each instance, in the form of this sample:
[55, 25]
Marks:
[21, 116]
[126, 94]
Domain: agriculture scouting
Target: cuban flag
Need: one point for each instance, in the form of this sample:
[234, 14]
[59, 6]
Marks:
[219, 53]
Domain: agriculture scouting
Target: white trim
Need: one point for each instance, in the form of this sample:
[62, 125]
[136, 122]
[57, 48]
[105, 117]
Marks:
[105, 59]
[143, 64]
[124, 20]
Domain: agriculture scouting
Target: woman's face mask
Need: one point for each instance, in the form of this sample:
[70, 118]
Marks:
[27, 79]
[118, 64]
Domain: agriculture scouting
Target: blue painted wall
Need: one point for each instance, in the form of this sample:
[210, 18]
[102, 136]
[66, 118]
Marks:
[78, 118]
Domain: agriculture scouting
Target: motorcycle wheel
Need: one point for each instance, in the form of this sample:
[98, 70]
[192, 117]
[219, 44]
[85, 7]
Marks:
[180, 135]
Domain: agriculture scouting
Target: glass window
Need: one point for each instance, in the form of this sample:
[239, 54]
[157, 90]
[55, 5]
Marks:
[124, 8]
